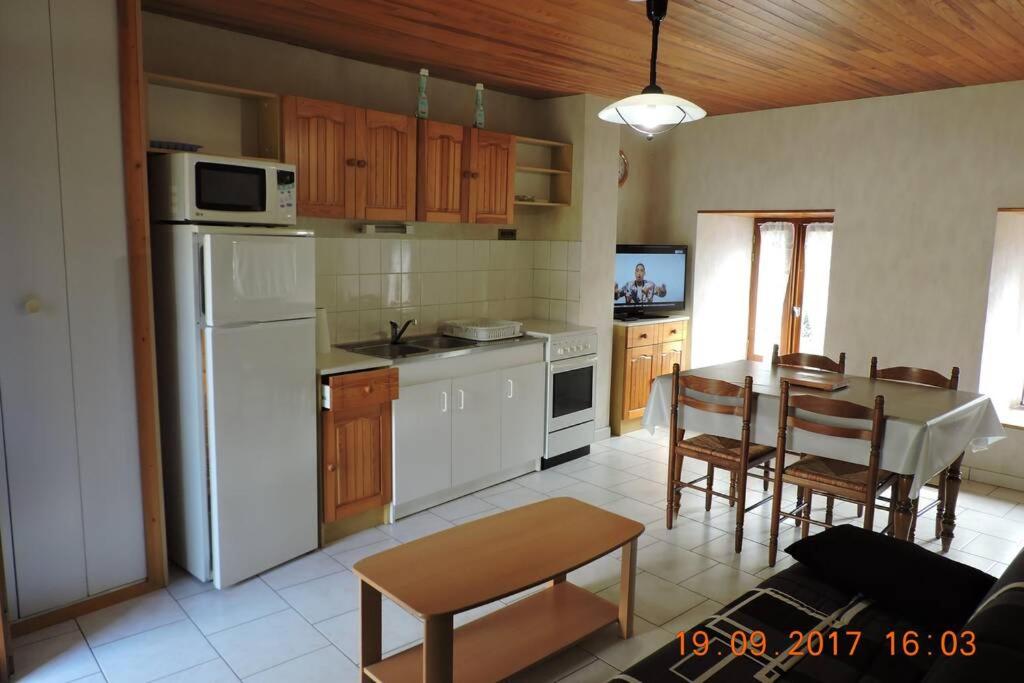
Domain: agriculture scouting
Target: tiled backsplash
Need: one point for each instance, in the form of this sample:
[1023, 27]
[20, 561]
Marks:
[365, 282]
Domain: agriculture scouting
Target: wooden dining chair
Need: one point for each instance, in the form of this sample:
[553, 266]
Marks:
[736, 456]
[818, 472]
[809, 361]
[929, 378]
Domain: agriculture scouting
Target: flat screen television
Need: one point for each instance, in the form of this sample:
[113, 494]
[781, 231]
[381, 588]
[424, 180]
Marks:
[649, 278]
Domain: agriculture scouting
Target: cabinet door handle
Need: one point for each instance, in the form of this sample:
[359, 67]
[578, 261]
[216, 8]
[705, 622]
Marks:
[643, 336]
[474, 175]
[444, 395]
[511, 388]
[350, 162]
[32, 305]
[462, 399]
[330, 467]
[361, 163]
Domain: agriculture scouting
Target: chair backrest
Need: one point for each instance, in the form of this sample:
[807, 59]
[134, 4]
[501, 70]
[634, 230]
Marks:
[810, 406]
[743, 409]
[916, 375]
[809, 360]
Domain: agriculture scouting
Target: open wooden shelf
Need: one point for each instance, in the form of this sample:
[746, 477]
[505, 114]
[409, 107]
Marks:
[537, 169]
[544, 171]
[541, 143]
[503, 643]
[522, 202]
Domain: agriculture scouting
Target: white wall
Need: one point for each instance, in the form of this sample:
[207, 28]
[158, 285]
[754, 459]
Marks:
[721, 289]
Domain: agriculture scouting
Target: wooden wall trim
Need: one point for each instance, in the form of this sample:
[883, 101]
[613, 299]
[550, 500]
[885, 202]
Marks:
[134, 144]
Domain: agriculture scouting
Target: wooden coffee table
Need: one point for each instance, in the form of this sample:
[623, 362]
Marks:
[479, 562]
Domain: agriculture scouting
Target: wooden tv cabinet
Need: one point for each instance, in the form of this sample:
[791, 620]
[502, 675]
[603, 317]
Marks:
[641, 351]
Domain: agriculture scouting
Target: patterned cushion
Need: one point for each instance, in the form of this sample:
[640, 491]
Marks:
[722, 447]
[834, 472]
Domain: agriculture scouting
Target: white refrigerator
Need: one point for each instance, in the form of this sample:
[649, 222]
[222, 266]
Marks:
[236, 361]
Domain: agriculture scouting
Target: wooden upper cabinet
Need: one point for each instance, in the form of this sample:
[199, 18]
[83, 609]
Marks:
[350, 162]
[388, 153]
[490, 177]
[320, 139]
[440, 162]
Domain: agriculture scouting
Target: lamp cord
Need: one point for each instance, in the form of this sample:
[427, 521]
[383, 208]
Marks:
[656, 24]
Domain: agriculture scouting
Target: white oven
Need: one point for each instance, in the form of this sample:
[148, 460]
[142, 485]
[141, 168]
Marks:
[571, 392]
[199, 188]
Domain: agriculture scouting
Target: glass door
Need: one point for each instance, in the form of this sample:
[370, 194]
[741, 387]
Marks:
[789, 286]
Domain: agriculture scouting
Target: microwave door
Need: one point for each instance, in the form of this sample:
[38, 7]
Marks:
[256, 278]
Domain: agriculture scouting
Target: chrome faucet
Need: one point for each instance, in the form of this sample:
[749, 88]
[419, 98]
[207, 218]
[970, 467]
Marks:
[396, 332]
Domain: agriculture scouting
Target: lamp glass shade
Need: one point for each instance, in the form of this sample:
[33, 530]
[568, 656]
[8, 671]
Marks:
[652, 112]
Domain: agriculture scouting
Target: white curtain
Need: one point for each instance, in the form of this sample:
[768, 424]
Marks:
[1002, 364]
[773, 265]
[817, 265]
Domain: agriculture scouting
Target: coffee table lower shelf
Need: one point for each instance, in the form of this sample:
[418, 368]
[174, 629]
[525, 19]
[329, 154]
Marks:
[505, 642]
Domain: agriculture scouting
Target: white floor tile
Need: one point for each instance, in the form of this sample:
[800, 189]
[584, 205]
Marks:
[657, 600]
[588, 493]
[752, 559]
[684, 533]
[325, 597]
[130, 617]
[642, 542]
[479, 515]
[599, 475]
[356, 540]
[58, 659]
[545, 481]
[266, 642]
[325, 665]
[214, 671]
[692, 617]
[556, 668]
[595, 672]
[310, 566]
[622, 654]
[94, 678]
[981, 563]
[349, 557]
[993, 548]
[598, 575]
[997, 569]
[60, 629]
[477, 612]
[182, 584]
[722, 583]
[1008, 494]
[503, 487]
[154, 654]
[628, 444]
[643, 490]
[783, 561]
[654, 471]
[617, 459]
[462, 507]
[514, 498]
[1000, 527]
[415, 526]
[635, 510]
[217, 610]
[974, 501]
[672, 563]
[575, 465]
[398, 629]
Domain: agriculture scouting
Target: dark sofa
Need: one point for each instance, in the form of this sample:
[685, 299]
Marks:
[868, 596]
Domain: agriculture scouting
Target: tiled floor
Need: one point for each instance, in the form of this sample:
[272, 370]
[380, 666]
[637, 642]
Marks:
[299, 622]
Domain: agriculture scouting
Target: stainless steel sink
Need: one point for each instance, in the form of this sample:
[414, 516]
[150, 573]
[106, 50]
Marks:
[442, 342]
[390, 350]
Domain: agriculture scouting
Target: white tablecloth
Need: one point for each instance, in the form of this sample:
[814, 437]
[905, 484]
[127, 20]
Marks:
[922, 445]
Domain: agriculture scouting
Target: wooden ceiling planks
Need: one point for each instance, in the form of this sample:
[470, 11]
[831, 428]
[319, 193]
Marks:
[725, 55]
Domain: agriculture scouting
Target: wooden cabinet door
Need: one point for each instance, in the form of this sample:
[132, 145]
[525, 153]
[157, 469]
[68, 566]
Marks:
[669, 354]
[491, 181]
[440, 162]
[522, 414]
[357, 459]
[640, 364]
[320, 139]
[423, 440]
[387, 145]
[475, 427]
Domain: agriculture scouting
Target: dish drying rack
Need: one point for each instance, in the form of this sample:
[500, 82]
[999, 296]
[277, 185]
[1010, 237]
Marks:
[481, 329]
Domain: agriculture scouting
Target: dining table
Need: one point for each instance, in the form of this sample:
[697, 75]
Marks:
[928, 430]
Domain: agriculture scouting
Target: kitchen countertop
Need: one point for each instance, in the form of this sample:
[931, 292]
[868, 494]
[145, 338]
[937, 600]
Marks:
[670, 318]
[337, 361]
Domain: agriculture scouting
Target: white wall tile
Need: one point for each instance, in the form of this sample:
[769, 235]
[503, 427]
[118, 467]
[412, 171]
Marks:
[325, 289]
[481, 254]
[541, 308]
[556, 310]
[324, 247]
[447, 255]
[411, 261]
[391, 290]
[370, 325]
[464, 288]
[541, 283]
[346, 328]
[499, 257]
[411, 289]
[572, 312]
[496, 286]
[465, 258]
[391, 256]
[429, 317]
[573, 256]
[541, 254]
[369, 292]
[346, 296]
[369, 256]
[430, 288]
[559, 256]
[572, 286]
[557, 284]
[346, 256]
[449, 286]
[448, 311]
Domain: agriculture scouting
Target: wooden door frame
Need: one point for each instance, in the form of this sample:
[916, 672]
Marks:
[789, 337]
[134, 145]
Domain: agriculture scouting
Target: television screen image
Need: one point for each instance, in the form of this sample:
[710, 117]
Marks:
[650, 277]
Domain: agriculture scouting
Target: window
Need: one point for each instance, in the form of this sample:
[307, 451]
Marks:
[789, 280]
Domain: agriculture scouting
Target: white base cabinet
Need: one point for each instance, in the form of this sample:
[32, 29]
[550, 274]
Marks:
[453, 436]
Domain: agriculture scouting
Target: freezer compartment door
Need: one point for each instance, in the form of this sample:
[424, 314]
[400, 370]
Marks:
[262, 446]
[257, 278]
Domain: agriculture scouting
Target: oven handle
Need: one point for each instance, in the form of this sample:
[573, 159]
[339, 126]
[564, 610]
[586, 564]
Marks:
[571, 364]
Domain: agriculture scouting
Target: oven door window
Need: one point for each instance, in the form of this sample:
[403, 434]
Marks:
[572, 391]
[224, 187]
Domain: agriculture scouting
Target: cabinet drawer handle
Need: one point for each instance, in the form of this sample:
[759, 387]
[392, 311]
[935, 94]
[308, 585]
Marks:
[361, 163]
[330, 468]
[462, 399]
[643, 336]
[368, 389]
[444, 395]
[475, 175]
[350, 162]
[511, 388]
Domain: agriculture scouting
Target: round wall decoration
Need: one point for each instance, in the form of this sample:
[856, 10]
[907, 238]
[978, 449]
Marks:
[623, 168]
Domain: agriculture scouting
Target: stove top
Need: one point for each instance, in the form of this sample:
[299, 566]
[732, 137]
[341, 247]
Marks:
[553, 329]
[565, 340]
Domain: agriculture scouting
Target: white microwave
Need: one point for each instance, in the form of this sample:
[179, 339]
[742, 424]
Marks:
[185, 187]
